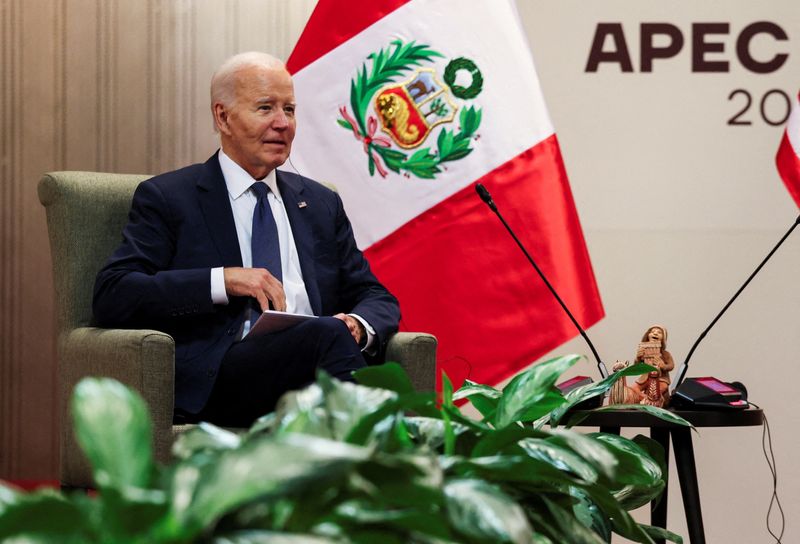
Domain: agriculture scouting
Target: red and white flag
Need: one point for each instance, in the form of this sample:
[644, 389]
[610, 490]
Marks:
[404, 105]
[788, 158]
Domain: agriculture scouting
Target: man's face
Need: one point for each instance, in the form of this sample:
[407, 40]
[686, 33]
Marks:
[257, 131]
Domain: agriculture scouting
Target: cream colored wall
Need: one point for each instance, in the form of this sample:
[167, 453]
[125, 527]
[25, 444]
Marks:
[677, 207]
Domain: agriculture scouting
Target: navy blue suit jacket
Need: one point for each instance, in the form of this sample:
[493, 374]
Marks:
[181, 226]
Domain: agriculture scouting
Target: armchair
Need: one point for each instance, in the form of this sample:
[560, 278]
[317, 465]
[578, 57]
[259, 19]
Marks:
[86, 212]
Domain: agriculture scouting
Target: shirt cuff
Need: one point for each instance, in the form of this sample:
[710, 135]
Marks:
[368, 348]
[218, 294]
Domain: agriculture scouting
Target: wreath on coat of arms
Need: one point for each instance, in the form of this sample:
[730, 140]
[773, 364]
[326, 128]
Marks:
[409, 110]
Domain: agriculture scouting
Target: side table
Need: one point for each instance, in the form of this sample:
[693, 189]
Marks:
[613, 420]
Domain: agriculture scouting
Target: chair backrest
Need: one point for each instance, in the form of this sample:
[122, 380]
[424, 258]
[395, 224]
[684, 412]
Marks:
[86, 212]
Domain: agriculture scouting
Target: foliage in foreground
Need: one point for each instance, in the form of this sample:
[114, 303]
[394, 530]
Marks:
[345, 463]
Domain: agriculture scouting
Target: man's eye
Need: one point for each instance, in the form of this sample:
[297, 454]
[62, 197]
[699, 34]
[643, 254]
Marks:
[265, 107]
[289, 110]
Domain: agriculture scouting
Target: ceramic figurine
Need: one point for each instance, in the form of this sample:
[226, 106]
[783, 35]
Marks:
[652, 388]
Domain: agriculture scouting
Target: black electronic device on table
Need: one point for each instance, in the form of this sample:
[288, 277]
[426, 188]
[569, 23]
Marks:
[708, 392]
[711, 393]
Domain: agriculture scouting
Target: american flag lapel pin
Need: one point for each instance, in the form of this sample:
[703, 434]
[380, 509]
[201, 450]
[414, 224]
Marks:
[302, 204]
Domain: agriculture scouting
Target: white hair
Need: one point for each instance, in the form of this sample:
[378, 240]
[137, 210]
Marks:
[223, 82]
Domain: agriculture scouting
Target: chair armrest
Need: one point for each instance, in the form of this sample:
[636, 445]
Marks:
[141, 359]
[416, 353]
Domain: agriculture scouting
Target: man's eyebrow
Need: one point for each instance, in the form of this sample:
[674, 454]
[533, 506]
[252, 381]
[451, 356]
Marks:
[269, 100]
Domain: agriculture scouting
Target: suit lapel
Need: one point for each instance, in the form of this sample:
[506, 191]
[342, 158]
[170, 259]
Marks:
[212, 194]
[298, 210]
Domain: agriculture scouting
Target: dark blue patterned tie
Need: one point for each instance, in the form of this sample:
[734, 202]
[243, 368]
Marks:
[264, 240]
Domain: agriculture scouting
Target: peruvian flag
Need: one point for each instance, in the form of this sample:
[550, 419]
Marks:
[404, 105]
[788, 158]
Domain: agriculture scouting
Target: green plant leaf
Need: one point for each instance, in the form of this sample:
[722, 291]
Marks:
[128, 512]
[658, 532]
[204, 437]
[513, 469]
[560, 457]
[570, 527]
[333, 409]
[404, 480]
[263, 466]
[113, 428]
[389, 376]
[8, 496]
[654, 450]
[660, 413]
[529, 388]
[430, 431]
[589, 514]
[633, 496]
[365, 428]
[635, 466]
[482, 511]
[496, 442]
[419, 520]
[43, 516]
[551, 400]
[622, 522]
[483, 397]
[595, 452]
[449, 434]
[470, 389]
[447, 405]
[271, 537]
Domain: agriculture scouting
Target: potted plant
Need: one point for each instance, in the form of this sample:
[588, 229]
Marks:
[348, 463]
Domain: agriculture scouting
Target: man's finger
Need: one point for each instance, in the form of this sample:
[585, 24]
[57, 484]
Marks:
[263, 301]
[277, 297]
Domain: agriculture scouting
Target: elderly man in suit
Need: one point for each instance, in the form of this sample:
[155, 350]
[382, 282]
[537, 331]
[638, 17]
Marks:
[210, 246]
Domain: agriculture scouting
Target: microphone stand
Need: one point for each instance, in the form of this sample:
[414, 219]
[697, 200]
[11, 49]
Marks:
[483, 192]
[685, 366]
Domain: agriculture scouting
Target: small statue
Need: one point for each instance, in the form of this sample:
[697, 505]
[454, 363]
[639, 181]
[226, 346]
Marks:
[651, 388]
[620, 392]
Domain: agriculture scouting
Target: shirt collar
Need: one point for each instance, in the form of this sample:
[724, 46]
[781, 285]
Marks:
[239, 181]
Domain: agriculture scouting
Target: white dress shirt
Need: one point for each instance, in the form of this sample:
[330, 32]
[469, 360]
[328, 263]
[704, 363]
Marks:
[243, 202]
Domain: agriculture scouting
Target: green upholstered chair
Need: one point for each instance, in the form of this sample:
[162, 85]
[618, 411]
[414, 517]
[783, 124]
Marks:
[86, 212]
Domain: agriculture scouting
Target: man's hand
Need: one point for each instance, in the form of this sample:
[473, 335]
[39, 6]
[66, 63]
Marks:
[257, 283]
[355, 326]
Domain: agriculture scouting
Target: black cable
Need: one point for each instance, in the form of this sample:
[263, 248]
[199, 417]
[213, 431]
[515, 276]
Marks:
[769, 455]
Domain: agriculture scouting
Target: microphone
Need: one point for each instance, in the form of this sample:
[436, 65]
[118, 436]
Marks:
[685, 365]
[483, 192]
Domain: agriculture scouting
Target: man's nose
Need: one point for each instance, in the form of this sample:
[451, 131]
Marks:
[280, 120]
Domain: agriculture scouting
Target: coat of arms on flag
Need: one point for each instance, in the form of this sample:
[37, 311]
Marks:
[408, 111]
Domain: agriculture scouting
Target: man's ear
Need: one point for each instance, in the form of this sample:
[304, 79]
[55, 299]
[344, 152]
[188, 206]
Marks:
[221, 118]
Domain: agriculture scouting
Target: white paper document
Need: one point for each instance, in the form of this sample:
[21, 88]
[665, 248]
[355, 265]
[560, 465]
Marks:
[272, 321]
